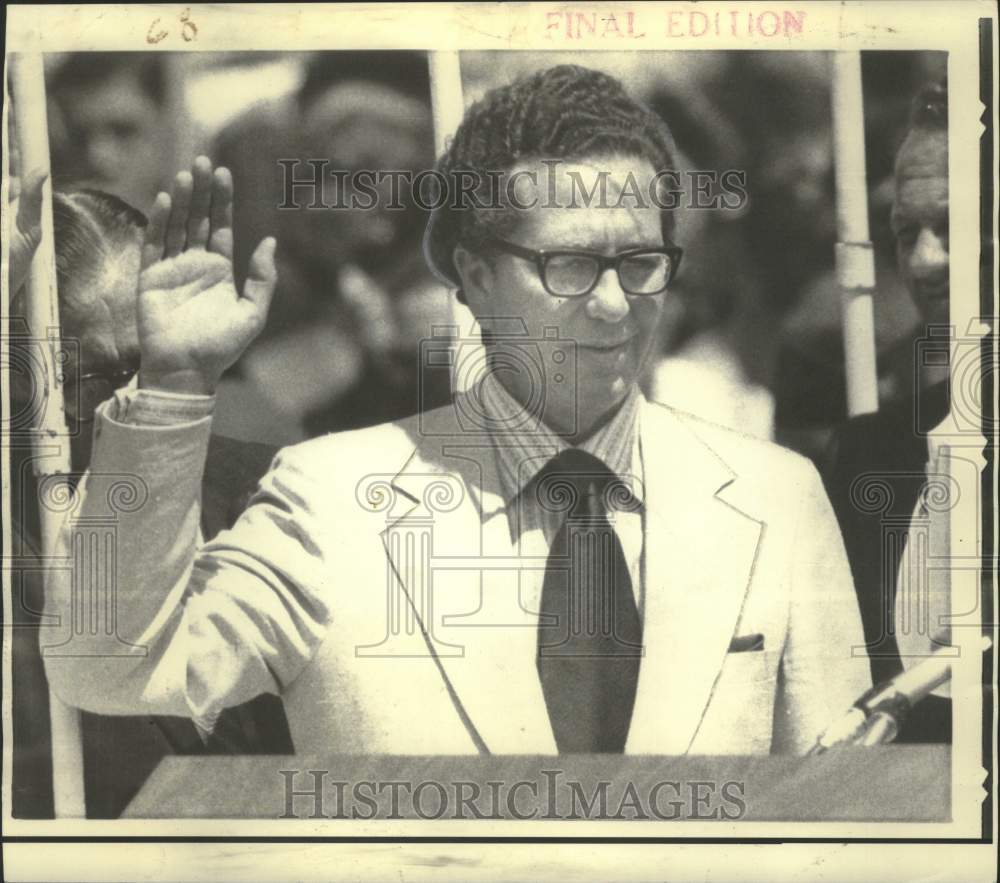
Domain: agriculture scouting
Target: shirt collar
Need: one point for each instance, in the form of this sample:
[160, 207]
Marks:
[524, 444]
[940, 436]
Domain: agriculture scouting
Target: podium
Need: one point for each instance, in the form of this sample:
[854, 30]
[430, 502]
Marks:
[906, 783]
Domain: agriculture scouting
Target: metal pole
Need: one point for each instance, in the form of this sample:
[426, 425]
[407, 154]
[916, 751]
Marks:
[855, 259]
[446, 96]
[51, 439]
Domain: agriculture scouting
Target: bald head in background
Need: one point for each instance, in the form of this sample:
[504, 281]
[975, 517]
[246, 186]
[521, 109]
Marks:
[98, 241]
[98, 238]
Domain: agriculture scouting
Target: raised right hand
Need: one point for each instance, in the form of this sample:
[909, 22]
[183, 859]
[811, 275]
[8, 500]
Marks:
[193, 324]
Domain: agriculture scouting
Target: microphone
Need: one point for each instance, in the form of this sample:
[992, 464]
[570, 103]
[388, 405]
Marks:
[875, 718]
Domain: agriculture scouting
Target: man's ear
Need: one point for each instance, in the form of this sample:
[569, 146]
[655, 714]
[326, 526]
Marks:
[476, 275]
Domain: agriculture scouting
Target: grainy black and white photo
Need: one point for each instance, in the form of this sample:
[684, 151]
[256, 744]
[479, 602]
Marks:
[499, 422]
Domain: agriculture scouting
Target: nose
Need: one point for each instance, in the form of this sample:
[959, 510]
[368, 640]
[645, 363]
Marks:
[607, 302]
[929, 257]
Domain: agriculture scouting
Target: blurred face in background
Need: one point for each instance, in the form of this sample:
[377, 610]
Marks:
[793, 189]
[363, 126]
[607, 334]
[920, 221]
[115, 138]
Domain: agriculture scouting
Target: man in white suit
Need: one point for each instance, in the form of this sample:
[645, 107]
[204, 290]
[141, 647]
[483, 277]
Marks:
[548, 564]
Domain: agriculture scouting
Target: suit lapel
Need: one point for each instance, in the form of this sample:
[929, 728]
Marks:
[700, 548]
[700, 545]
[466, 601]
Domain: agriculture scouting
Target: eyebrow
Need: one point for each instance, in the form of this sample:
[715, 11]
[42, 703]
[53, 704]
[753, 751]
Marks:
[576, 245]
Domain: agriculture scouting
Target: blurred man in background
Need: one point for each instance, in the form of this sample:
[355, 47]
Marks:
[792, 230]
[900, 444]
[108, 115]
[97, 244]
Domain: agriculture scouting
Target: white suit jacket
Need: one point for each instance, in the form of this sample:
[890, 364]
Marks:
[373, 583]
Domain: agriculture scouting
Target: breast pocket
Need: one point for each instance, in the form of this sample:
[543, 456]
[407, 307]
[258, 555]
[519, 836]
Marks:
[749, 666]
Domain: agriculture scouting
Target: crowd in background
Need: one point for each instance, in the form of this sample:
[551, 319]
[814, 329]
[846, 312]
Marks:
[752, 338]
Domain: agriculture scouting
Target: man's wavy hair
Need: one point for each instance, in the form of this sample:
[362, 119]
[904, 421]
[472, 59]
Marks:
[563, 113]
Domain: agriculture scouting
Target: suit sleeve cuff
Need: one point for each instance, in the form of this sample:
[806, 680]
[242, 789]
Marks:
[147, 407]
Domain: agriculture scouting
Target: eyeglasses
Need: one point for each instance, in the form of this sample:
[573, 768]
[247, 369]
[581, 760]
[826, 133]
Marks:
[566, 273]
[93, 389]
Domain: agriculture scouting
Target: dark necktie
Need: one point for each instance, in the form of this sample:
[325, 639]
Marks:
[589, 633]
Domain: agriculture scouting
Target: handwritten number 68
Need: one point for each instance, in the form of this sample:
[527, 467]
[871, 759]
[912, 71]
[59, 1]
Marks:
[189, 30]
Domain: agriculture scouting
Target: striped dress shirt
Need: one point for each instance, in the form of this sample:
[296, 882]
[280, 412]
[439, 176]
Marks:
[523, 447]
